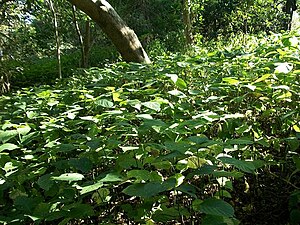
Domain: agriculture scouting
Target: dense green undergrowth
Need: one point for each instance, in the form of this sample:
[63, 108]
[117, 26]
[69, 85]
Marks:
[211, 138]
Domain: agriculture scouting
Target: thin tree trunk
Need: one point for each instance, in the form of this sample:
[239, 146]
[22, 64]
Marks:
[124, 38]
[57, 37]
[87, 43]
[80, 38]
[187, 21]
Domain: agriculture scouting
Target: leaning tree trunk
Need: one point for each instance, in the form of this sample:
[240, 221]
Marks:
[124, 38]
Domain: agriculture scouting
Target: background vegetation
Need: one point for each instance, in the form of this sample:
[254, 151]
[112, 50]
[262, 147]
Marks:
[206, 134]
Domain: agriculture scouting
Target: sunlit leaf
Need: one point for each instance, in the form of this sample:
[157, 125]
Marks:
[230, 80]
[8, 146]
[283, 68]
[152, 105]
[68, 177]
[7, 135]
[104, 103]
[90, 188]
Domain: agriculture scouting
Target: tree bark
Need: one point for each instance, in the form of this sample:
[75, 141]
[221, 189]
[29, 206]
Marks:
[57, 37]
[124, 38]
[187, 21]
[289, 8]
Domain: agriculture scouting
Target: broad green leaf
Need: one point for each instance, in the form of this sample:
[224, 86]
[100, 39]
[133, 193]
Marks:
[8, 146]
[180, 83]
[219, 220]
[101, 195]
[177, 93]
[82, 164]
[152, 105]
[285, 95]
[140, 175]
[174, 77]
[246, 166]
[296, 160]
[145, 116]
[283, 68]
[230, 80]
[45, 182]
[165, 214]
[198, 139]
[7, 135]
[112, 177]
[66, 147]
[31, 114]
[26, 204]
[129, 148]
[240, 141]
[23, 129]
[90, 118]
[216, 207]
[90, 188]
[52, 102]
[188, 189]
[104, 103]
[263, 78]
[69, 177]
[150, 189]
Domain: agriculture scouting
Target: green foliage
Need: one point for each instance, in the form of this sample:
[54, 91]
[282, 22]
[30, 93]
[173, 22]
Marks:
[215, 18]
[188, 138]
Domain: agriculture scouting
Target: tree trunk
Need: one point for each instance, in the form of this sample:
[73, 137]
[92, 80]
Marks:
[289, 7]
[124, 38]
[187, 21]
[87, 43]
[84, 41]
[57, 38]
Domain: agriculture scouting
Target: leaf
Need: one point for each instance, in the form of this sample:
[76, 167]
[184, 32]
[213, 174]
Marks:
[246, 166]
[149, 189]
[180, 83]
[23, 129]
[66, 147]
[219, 220]
[230, 80]
[296, 128]
[140, 175]
[152, 105]
[240, 141]
[104, 103]
[69, 177]
[283, 68]
[90, 188]
[45, 182]
[112, 177]
[177, 93]
[8, 146]
[82, 164]
[7, 135]
[216, 207]
[165, 214]
[264, 77]
[101, 196]
[296, 160]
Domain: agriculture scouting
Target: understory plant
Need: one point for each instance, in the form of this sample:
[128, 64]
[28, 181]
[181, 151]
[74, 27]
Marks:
[210, 138]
